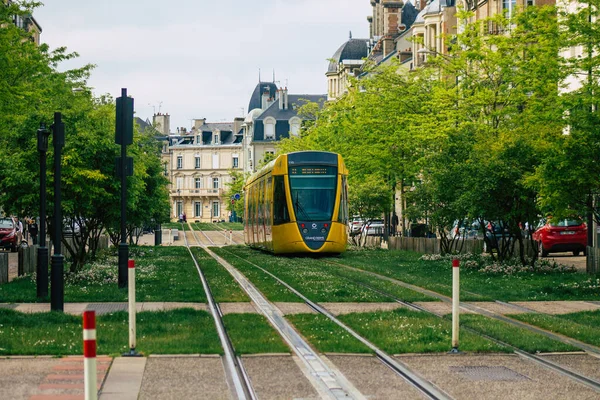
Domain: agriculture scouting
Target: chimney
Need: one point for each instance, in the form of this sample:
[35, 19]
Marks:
[370, 20]
[280, 95]
[162, 123]
[199, 122]
[392, 16]
[265, 98]
[237, 124]
[285, 99]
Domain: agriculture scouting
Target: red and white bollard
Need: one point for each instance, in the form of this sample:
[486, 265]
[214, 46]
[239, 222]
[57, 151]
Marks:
[131, 276]
[89, 355]
[455, 304]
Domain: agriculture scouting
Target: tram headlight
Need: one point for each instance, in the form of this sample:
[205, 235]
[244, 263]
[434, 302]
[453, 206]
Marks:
[304, 230]
[323, 230]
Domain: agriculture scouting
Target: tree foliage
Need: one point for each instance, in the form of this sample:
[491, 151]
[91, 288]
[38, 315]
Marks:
[32, 88]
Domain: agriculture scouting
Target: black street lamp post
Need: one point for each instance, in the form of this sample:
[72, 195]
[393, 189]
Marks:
[57, 294]
[124, 136]
[42, 260]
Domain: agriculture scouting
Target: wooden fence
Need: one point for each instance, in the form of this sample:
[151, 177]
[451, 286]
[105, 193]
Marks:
[3, 267]
[593, 260]
[27, 260]
[432, 245]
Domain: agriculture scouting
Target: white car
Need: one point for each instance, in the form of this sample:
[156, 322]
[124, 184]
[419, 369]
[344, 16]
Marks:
[356, 225]
[373, 228]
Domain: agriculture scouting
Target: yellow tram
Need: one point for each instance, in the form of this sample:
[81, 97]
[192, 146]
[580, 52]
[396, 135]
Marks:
[298, 203]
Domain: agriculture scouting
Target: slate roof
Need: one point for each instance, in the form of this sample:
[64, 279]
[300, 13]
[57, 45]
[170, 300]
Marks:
[256, 98]
[206, 130]
[294, 101]
[353, 49]
[282, 117]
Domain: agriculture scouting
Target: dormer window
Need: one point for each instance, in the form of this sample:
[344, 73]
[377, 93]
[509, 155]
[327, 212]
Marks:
[215, 138]
[269, 129]
[295, 124]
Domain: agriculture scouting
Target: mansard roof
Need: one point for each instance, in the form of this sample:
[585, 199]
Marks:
[256, 98]
[294, 102]
[353, 49]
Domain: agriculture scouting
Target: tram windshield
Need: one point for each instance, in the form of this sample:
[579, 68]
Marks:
[313, 191]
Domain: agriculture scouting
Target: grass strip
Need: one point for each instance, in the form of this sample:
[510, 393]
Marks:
[309, 275]
[397, 291]
[272, 289]
[437, 276]
[175, 225]
[582, 326]
[252, 334]
[208, 226]
[162, 274]
[405, 331]
[325, 335]
[223, 286]
[519, 337]
[181, 331]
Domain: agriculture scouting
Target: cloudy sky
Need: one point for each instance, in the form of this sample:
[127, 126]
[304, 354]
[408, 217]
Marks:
[200, 58]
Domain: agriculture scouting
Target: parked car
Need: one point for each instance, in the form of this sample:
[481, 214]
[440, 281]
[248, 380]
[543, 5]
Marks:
[8, 234]
[356, 225]
[374, 227]
[71, 228]
[559, 235]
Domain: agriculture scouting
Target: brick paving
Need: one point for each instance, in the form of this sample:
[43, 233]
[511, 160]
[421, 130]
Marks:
[65, 380]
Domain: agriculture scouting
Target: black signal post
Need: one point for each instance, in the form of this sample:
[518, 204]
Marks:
[124, 136]
[42, 260]
[57, 290]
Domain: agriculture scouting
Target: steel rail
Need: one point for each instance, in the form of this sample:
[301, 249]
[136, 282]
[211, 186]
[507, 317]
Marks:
[421, 384]
[593, 350]
[202, 232]
[233, 365]
[328, 381]
[592, 383]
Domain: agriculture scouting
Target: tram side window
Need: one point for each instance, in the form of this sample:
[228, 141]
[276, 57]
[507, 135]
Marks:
[280, 210]
[343, 212]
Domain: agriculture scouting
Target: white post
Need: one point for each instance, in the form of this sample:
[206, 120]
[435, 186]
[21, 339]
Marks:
[170, 236]
[132, 310]
[455, 304]
[89, 355]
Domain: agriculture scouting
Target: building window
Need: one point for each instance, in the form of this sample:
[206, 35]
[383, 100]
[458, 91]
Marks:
[197, 162]
[179, 208]
[215, 161]
[179, 162]
[215, 183]
[295, 126]
[198, 139]
[508, 6]
[215, 209]
[197, 208]
[530, 3]
[198, 183]
[216, 138]
[235, 162]
[166, 170]
[179, 182]
[270, 129]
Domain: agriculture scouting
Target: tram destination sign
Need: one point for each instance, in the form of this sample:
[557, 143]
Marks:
[321, 170]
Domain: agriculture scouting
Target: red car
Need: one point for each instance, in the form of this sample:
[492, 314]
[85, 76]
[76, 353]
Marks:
[561, 235]
[8, 234]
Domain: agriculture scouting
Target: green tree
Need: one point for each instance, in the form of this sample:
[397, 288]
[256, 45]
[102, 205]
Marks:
[236, 186]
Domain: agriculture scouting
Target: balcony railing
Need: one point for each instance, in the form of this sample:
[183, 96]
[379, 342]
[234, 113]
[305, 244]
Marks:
[197, 192]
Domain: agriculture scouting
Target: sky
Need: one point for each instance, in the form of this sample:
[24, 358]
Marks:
[200, 58]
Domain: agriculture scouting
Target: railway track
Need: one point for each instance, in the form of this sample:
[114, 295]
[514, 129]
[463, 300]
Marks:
[427, 388]
[325, 378]
[233, 364]
[592, 350]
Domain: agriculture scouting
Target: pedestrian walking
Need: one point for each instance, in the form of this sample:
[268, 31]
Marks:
[33, 230]
[184, 218]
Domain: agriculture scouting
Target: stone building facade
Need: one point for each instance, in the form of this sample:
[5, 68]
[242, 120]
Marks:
[198, 165]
